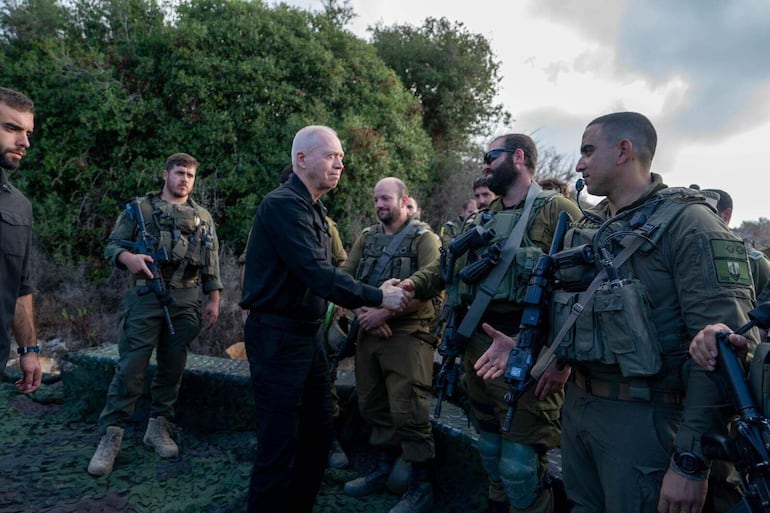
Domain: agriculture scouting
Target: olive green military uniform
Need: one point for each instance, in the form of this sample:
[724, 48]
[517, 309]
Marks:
[515, 461]
[760, 268]
[626, 408]
[450, 230]
[394, 375]
[188, 235]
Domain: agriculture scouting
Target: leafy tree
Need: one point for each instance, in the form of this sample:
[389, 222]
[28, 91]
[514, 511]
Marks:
[455, 76]
[758, 232]
[451, 71]
[121, 84]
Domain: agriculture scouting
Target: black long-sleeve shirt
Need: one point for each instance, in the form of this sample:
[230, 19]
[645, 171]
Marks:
[288, 268]
[15, 249]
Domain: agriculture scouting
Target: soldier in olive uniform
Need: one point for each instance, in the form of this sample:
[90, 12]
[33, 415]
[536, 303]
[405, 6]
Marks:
[185, 232]
[665, 266]
[481, 192]
[515, 461]
[394, 358]
[451, 229]
[413, 210]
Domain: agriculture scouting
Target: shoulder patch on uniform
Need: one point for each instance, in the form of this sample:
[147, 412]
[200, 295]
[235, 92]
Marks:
[730, 262]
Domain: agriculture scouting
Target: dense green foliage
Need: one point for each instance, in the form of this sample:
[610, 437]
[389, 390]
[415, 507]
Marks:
[452, 72]
[121, 84]
[455, 76]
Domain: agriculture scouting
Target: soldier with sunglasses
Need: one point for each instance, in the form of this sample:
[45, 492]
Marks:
[515, 461]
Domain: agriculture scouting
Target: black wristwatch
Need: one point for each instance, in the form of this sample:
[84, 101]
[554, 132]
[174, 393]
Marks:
[22, 350]
[689, 463]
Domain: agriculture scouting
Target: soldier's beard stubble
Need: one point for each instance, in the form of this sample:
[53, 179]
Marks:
[6, 163]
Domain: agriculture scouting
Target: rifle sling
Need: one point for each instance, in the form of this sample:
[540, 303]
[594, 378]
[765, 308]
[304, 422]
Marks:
[486, 290]
[546, 356]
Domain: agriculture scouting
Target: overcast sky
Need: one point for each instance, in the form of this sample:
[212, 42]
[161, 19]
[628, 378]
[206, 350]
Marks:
[699, 69]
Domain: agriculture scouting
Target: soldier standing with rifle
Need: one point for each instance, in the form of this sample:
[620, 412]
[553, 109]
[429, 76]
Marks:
[394, 358]
[169, 244]
[658, 266]
[487, 285]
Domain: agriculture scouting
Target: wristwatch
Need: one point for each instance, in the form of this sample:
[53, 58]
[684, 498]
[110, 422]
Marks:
[22, 350]
[689, 463]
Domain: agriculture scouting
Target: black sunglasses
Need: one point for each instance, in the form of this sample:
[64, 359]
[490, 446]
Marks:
[490, 156]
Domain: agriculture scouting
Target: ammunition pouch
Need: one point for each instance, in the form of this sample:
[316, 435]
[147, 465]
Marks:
[615, 328]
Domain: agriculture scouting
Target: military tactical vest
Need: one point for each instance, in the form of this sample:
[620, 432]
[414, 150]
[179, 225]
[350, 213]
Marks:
[513, 286]
[404, 261]
[617, 328]
[185, 232]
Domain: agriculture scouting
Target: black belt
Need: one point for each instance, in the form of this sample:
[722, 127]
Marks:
[618, 390]
[185, 284]
[286, 323]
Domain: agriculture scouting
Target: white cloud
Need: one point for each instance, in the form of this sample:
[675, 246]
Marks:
[697, 68]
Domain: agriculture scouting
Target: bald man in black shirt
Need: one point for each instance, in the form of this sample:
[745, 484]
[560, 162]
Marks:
[288, 279]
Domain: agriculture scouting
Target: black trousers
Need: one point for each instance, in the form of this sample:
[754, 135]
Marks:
[290, 380]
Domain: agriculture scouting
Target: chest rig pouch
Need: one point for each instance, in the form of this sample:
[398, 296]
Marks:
[616, 327]
[403, 263]
[513, 287]
[183, 232]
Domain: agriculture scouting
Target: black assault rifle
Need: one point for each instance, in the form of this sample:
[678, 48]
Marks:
[531, 335]
[750, 449]
[147, 244]
[453, 344]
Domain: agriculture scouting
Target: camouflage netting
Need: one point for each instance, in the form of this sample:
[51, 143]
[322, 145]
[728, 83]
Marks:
[48, 439]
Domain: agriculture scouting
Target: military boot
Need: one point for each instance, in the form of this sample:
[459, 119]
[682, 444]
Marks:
[398, 480]
[419, 496]
[158, 436]
[375, 480]
[104, 458]
[337, 456]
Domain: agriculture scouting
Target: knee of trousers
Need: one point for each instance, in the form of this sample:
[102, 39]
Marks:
[490, 445]
[519, 474]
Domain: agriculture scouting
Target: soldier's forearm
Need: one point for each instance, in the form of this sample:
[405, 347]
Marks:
[24, 322]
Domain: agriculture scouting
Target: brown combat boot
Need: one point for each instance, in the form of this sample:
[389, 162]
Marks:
[158, 436]
[104, 457]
